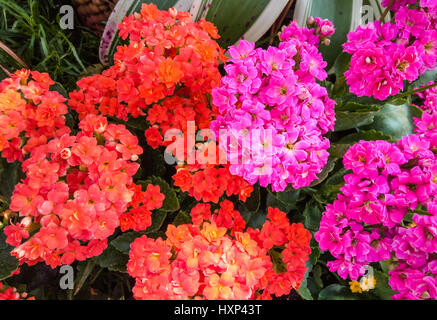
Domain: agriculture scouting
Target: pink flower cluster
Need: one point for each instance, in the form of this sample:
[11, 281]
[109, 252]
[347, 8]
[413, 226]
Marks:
[274, 110]
[386, 55]
[75, 189]
[429, 97]
[369, 220]
[397, 4]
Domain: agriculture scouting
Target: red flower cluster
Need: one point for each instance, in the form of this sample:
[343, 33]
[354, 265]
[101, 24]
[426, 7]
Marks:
[75, 189]
[278, 233]
[30, 113]
[202, 261]
[208, 183]
[138, 217]
[166, 72]
[11, 293]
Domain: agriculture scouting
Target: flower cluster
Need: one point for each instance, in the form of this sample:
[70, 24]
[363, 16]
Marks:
[397, 4]
[166, 73]
[11, 293]
[386, 55]
[429, 97]
[203, 261]
[387, 210]
[139, 215]
[273, 113]
[75, 189]
[30, 113]
[210, 183]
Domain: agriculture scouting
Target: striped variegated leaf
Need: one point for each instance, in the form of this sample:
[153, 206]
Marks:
[234, 19]
[346, 15]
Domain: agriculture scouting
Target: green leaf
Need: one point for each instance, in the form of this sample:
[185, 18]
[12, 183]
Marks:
[340, 12]
[112, 259]
[382, 287]
[254, 201]
[312, 214]
[233, 18]
[272, 201]
[396, 121]
[337, 150]
[337, 292]
[366, 135]
[342, 64]
[317, 276]
[288, 197]
[325, 172]
[139, 123]
[122, 242]
[256, 220]
[338, 177]
[279, 265]
[353, 115]
[182, 217]
[84, 270]
[303, 290]
[428, 76]
[9, 175]
[399, 102]
[8, 264]
[315, 251]
[158, 219]
[171, 202]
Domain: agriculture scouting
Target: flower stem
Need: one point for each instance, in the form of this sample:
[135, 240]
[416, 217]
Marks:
[386, 11]
[405, 94]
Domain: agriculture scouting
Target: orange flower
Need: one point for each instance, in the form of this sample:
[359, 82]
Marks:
[169, 72]
[212, 233]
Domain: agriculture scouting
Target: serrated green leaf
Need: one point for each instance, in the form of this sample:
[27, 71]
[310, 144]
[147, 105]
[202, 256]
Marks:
[139, 123]
[325, 172]
[112, 259]
[382, 287]
[158, 219]
[337, 292]
[366, 135]
[256, 220]
[337, 150]
[337, 177]
[340, 12]
[303, 290]
[396, 121]
[312, 215]
[428, 76]
[234, 17]
[122, 242]
[182, 217]
[353, 115]
[9, 175]
[254, 201]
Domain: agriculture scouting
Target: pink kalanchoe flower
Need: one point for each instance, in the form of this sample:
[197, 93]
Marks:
[274, 110]
[385, 55]
[369, 222]
[397, 4]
